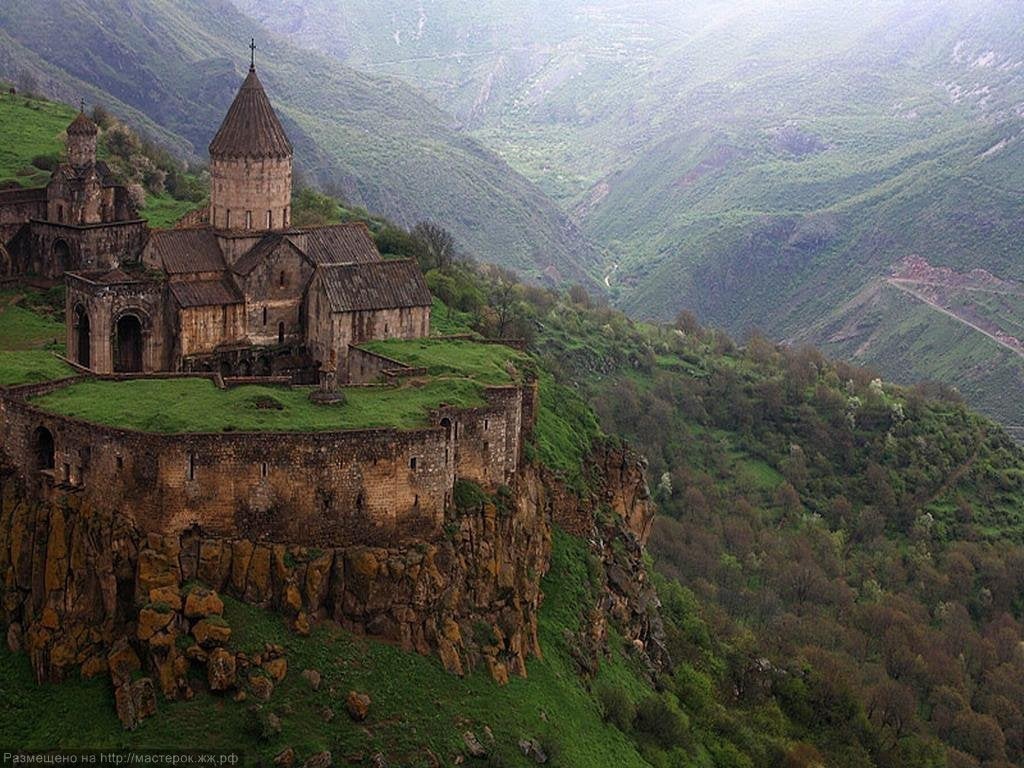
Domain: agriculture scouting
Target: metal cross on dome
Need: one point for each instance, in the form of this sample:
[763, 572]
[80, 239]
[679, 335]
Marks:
[252, 53]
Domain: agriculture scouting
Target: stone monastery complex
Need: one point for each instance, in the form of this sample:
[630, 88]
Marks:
[237, 291]
[238, 295]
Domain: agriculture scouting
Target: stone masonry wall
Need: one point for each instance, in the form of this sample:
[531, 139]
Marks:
[377, 486]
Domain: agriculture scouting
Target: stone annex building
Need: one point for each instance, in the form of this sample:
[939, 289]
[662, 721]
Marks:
[240, 292]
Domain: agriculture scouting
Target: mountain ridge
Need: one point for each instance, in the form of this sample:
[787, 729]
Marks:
[374, 140]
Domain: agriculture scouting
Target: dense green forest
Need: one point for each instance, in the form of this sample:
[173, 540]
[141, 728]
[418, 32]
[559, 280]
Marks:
[840, 560]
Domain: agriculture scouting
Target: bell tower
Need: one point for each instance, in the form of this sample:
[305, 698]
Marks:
[82, 141]
[251, 163]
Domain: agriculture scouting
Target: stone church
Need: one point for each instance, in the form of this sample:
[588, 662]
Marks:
[237, 290]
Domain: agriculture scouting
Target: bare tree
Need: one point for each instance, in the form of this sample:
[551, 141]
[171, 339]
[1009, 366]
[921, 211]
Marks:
[438, 244]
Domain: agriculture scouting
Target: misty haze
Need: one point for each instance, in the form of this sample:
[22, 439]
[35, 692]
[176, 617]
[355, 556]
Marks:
[534, 382]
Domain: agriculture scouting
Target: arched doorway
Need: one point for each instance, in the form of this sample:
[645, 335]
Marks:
[128, 353]
[83, 338]
[44, 449]
[61, 257]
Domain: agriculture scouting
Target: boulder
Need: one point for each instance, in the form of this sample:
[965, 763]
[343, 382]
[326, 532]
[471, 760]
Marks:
[152, 620]
[285, 758]
[122, 662]
[202, 602]
[135, 702]
[312, 677]
[319, 760]
[211, 632]
[276, 668]
[358, 705]
[262, 687]
[220, 670]
[473, 745]
[169, 595]
[532, 749]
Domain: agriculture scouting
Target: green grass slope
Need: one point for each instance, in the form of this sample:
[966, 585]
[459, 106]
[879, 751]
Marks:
[417, 708]
[28, 340]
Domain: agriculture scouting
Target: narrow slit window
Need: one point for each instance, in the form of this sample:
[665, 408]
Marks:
[264, 315]
[270, 219]
[412, 463]
[248, 219]
[191, 466]
[264, 469]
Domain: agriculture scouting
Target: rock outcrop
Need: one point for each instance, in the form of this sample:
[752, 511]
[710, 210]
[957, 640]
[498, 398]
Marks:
[77, 579]
[84, 588]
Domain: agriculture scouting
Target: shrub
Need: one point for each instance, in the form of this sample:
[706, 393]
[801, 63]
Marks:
[661, 719]
[468, 496]
[616, 707]
[45, 162]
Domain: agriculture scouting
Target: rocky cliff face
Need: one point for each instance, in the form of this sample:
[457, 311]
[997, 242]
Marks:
[84, 588]
[615, 518]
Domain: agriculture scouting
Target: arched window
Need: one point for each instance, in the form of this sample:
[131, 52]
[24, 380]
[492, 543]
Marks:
[44, 449]
[287, 216]
[270, 219]
[282, 279]
[264, 315]
[280, 333]
[248, 219]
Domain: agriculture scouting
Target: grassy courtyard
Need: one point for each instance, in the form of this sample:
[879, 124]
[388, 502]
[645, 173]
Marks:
[197, 405]
[487, 363]
[27, 342]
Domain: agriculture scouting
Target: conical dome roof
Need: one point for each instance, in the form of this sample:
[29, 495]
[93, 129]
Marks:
[82, 126]
[251, 127]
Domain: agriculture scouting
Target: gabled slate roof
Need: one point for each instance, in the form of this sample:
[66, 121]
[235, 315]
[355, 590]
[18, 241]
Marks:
[262, 251]
[251, 127]
[376, 285]
[204, 293]
[180, 251]
[341, 244]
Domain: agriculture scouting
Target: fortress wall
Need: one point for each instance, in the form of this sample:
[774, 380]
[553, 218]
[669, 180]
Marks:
[365, 367]
[377, 486]
[17, 207]
[487, 441]
[315, 489]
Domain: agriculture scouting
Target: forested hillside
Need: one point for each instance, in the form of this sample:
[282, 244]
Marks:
[840, 559]
[172, 69]
[762, 164]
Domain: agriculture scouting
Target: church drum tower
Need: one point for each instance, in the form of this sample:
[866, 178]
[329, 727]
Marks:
[251, 165]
